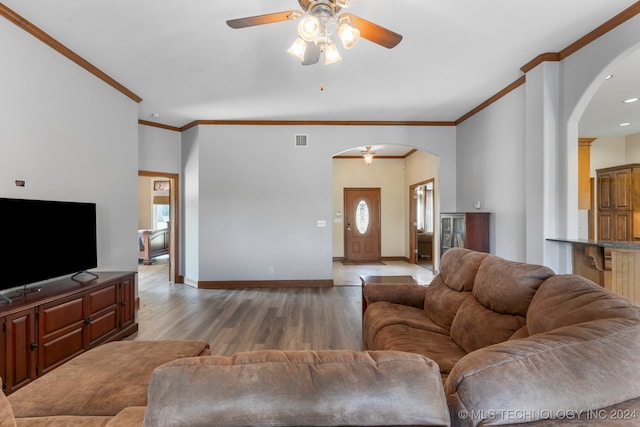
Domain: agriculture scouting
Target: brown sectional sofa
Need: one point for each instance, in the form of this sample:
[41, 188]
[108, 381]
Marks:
[260, 388]
[488, 342]
[515, 342]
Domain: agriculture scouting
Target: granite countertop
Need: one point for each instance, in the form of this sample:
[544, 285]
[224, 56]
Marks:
[601, 243]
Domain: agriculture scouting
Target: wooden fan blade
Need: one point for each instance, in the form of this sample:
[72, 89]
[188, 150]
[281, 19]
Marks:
[374, 32]
[269, 18]
[311, 54]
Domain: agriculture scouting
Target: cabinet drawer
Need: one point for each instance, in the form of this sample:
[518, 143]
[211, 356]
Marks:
[58, 316]
[56, 351]
[102, 326]
[102, 298]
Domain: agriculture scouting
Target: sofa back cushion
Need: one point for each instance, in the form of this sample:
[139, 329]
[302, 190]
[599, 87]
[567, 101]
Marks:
[447, 291]
[502, 292]
[567, 299]
[298, 388]
[459, 266]
[6, 413]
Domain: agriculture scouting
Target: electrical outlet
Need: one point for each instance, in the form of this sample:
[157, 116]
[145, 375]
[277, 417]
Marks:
[271, 270]
[476, 204]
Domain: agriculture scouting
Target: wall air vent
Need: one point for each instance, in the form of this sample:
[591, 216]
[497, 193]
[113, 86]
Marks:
[302, 140]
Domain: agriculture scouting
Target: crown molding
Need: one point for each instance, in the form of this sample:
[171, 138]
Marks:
[600, 31]
[38, 33]
[314, 123]
[514, 85]
[159, 125]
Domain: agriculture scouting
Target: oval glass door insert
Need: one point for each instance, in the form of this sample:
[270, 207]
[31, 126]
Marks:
[362, 217]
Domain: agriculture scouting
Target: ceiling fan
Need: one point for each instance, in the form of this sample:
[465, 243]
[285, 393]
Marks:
[319, 17]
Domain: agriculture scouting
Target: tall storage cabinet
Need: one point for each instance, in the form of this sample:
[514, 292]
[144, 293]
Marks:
[619, 202]
[464, 230]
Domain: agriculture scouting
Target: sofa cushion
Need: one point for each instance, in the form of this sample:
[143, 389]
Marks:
[475, 326]
[382, 314]
[437, 347]
[502, 293]
[441, 303]
[121, 368]
[458, 268]
[585, 367]
[298, 388]
[6, 413]
[508, 287]
[568, 300]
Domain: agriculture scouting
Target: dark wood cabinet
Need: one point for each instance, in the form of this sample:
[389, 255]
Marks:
[618, 203]
[20, 348]
[464, 230]
[43, 330]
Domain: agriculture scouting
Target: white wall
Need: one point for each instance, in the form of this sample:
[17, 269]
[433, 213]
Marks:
[159, 150]
[71, 137]
[632, 148]
[491, 167]
[606, 152]
[538, 127]
[259, 198]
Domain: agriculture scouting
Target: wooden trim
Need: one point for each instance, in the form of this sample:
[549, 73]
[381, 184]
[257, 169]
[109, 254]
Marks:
[516, 84]
[314, 123]
[603, 29]
[30, 28]
[158, 125]
[585, 141]
[234, 284]
[543, 57]
[600, 31]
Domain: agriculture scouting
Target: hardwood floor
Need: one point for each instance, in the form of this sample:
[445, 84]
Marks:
[252, 319]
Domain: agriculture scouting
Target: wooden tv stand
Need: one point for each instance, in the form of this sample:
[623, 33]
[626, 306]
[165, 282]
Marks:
[42, 330]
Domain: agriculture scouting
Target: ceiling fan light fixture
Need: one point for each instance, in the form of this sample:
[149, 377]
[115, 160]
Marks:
[368, 155]
[309, 28]
[343, 3]
[348, 34]
[298, 49]
[331, 54]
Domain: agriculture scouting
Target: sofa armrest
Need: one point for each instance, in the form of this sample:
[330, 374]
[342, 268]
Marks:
[583, 367]
[405, 294]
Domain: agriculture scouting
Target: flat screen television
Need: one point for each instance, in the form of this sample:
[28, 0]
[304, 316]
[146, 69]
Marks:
[44, 240]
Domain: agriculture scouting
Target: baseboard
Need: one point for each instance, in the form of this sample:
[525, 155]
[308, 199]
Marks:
[234, 284]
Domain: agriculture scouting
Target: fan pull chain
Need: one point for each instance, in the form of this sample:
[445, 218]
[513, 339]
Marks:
[321, 78]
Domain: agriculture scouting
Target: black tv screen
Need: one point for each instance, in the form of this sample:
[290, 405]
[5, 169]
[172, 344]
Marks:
[45, 240]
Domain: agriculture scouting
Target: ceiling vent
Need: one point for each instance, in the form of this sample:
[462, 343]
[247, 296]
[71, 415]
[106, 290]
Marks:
[302, 140]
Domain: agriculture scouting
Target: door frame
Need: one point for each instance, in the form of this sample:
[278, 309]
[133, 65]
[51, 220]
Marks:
[174, 231]
[379, 225]
[413, 221]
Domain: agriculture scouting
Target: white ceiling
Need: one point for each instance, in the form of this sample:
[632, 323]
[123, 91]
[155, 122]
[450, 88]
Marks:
[187, 64]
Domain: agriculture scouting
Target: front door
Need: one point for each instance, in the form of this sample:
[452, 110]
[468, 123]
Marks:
[362, 224]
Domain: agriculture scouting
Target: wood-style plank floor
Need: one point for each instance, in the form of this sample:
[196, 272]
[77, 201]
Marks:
[254, 319]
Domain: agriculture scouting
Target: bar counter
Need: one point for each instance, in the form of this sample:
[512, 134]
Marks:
[612, 264]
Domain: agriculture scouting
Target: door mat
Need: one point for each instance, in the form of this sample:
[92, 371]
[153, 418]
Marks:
[363, 263]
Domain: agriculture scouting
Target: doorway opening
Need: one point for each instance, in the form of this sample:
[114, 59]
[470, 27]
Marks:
[158, 216]
[421, 223]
